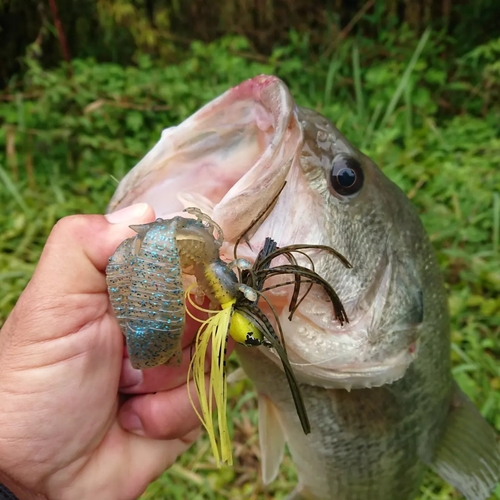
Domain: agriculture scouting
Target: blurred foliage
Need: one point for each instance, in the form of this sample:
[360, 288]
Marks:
[429, 118]
[121, 30]
[108, 114]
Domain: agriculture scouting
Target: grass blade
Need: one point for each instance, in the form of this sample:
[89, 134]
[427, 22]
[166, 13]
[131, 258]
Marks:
[406, 77]
[357, 82]
[14, 192]
[496, 223]
[371, 126]
[408, 111]
[333, 67]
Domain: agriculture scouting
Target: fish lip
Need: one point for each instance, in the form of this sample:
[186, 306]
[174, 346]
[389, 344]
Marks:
[237, 209]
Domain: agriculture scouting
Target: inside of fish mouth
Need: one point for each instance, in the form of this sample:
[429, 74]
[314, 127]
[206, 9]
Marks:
[208, 159]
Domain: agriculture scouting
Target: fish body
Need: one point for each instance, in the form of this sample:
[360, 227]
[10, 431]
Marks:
[378, 390]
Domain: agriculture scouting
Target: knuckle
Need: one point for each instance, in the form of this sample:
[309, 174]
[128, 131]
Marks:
[161, 425]
[162, 418]
[70, 225]
[27, 321]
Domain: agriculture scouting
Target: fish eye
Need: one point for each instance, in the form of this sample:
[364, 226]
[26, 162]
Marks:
[346, 176]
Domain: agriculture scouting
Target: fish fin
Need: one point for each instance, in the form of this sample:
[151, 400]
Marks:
[237, 376]
[271, 439]
[468, 455]
[141, 229]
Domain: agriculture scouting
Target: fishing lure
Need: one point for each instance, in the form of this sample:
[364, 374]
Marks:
[145, 285]
[254, 329]
[144, 278]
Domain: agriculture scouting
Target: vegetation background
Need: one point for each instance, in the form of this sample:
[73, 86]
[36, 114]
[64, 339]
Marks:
[87, 86]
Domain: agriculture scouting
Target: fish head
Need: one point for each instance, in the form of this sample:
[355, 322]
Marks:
[232, 158]
[351, 206]
[224, 159]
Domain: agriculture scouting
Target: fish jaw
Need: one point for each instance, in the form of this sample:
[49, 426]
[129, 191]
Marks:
[230, 158]
[363, 353]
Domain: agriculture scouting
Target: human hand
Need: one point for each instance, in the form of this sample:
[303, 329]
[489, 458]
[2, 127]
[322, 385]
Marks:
[65, 431]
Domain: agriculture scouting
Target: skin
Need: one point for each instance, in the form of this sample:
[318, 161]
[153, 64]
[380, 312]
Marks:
[66, 428]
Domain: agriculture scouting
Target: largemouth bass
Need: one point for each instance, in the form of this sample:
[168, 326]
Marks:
[378, 390]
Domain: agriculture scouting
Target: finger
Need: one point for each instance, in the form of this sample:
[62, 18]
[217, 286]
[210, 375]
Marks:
[161, 378]
[151, 458]
[130, 463]
[69, 283]
[155, 378]
[164, 415]
[79, 246]
[131, 377]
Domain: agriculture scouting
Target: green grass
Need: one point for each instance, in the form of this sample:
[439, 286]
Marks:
[449, 169]
[452, 177]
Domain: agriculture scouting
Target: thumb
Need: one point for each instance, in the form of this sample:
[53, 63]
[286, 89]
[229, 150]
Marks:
[68, 288]
[76, 253]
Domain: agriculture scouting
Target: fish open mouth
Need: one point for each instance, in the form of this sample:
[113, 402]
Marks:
[238, 145]
[230, 159]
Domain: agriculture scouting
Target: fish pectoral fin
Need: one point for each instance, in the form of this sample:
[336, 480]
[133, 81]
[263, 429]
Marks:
[468, 455]
[271, 439]
[237, 376]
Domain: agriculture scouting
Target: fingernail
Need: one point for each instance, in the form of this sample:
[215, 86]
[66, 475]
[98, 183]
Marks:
[132, 423]
[127, 214]
[130, 377]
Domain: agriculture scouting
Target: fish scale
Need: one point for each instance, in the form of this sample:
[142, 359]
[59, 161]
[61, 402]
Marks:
[364, 444]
